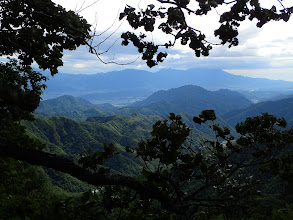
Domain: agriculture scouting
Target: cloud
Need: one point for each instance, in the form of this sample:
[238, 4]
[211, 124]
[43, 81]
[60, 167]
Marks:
[175, 56]
[274, 73]
[79, 65]
[269, 47]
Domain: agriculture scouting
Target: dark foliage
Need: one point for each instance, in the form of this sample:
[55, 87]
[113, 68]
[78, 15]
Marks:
[170, 18]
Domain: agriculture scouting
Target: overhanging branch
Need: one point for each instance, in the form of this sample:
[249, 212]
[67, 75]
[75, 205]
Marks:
[64, 165]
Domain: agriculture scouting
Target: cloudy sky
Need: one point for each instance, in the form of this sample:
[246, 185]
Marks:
[265, 52]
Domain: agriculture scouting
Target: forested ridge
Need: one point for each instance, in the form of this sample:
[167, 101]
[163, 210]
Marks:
[103, 165]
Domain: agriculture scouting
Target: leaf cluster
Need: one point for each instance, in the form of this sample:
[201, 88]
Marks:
[94, 160]
[172, 21]
[39, 31]
[215, 174]
[20, 90]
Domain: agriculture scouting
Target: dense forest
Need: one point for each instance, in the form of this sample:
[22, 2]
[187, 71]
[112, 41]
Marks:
[182, 153]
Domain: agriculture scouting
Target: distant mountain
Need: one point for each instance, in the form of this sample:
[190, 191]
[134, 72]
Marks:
[130, 85]
[188, 99]
[281, 108]
[72, 107]
[282, 96]
[65, 102]
[263, 96]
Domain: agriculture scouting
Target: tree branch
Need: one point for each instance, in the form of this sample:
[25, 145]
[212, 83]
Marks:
[64, 165]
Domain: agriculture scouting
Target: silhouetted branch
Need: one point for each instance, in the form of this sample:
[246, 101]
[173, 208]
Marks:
[64, 165]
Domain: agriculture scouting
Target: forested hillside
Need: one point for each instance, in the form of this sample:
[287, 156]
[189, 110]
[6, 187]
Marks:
[70, 139]
[73, 107]
[280, 108]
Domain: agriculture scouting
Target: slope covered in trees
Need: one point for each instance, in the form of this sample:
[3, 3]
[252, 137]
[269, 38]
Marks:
[70, 139]
[72, 107]
[280, 108]
[74, 137]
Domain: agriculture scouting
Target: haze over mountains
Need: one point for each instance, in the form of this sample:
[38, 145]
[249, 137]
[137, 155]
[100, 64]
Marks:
[164, 92]
[280, 108]
[127, 86]
[188, 99]
[231, 106]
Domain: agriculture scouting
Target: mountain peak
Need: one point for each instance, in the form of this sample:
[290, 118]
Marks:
[193, 99]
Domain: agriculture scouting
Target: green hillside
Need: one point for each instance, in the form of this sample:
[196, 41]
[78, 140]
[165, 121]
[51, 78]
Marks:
[281, 108]
[70, 138]
[72, 107]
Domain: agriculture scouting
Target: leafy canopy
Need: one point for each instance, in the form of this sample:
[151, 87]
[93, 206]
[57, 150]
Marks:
[184, 178]
[32, 31]
[171, 19]
[39, 31]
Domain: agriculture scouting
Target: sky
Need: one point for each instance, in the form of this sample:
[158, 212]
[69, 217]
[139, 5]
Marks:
[265, 52]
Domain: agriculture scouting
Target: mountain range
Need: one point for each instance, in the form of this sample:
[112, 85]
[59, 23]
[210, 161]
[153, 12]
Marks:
[127, 86]
[188, 99]
[231, 106]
